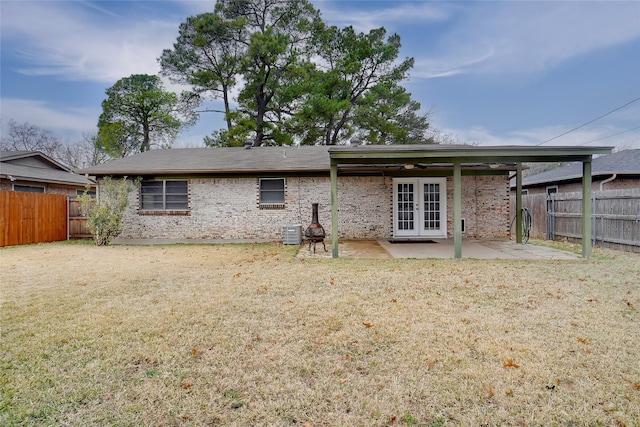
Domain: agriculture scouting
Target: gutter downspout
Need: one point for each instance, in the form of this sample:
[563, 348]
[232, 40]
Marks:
[611, 178]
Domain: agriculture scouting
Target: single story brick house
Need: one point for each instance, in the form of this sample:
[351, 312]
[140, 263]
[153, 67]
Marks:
[366, 192]
[238, 193]
[35, 172]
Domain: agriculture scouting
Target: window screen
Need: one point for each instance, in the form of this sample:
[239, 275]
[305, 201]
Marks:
[164, 195]
[271, 191]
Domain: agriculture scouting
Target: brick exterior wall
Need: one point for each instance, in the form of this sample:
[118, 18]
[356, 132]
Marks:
[485, 206]
[228, 208]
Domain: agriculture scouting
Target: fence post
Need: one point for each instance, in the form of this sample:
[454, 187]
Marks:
[586, 209]
[551, 216]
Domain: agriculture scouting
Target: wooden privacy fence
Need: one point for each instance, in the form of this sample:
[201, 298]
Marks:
[32, 218]
[615, 217]
[35, 218]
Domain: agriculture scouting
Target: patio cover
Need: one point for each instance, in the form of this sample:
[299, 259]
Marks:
[473, 159]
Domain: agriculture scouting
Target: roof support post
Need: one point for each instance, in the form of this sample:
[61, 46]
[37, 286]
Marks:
[586, 209]
[457, 210]
[334, 209]
[519, 202]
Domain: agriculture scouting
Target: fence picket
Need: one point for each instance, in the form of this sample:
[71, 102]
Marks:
[615, 217]
[32, 218]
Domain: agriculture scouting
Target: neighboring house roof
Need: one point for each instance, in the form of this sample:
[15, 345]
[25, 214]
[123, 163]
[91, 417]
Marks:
[625, 162]
[35, 166]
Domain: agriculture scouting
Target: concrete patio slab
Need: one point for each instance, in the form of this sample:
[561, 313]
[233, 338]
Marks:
[475, 248]
[440, 248]
[381, 249]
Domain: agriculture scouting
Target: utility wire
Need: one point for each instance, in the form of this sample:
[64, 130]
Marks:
[589, 122]
[615, 134]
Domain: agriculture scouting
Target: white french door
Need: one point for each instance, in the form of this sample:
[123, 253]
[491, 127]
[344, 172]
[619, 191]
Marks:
[419, 207]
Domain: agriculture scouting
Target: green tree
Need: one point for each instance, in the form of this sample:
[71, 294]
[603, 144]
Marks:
[277, 38]
[137, 114]
[206, 56]
[354, 63]
[299, 80]
[386, 115]
[106, 212]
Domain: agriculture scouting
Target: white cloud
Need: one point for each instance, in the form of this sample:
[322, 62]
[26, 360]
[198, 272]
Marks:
[392, 17]
[527, 36]
[66, 39]
[71, 123]
[602, 136]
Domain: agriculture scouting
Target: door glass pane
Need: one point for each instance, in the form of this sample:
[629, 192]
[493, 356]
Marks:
[405, 206]
[431, 206]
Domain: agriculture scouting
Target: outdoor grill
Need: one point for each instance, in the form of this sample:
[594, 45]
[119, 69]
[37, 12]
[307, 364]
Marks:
[314, 232]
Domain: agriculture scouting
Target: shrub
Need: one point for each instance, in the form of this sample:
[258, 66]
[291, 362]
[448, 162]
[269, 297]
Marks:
[105, 213]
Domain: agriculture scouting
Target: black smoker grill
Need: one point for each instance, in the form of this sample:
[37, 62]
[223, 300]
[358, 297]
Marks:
[314, 232]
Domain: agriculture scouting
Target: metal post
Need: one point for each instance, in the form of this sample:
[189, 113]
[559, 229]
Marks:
[457, 210]
[334, 209]
[553, 216]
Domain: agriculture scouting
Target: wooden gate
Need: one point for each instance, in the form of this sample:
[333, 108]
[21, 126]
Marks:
[32, 218]
[78, 223]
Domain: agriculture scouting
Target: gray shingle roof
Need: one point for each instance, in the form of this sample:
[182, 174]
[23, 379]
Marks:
[216, 160]
[45, 170]
[316, 159]
[625, 162]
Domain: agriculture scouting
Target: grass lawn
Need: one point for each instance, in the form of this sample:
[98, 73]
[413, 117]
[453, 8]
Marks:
[250, 335]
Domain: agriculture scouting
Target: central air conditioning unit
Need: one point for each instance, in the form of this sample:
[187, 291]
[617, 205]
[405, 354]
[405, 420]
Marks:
[292, 234]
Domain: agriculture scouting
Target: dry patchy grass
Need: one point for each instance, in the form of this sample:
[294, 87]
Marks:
[251, 335]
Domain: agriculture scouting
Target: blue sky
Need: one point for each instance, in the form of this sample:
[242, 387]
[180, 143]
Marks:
[489, 72]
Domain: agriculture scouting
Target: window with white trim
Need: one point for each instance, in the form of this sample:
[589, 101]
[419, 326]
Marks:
[271, 192]
[164, 195]
[553, 189]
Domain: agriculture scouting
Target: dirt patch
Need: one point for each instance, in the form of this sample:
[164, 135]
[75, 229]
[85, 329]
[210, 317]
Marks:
[254, 335]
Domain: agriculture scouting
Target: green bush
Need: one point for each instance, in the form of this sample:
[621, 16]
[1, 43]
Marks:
[105, 213]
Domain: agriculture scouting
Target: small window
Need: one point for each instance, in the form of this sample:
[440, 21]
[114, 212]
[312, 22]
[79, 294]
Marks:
[164, 195]
[552, 190]
[272, 192]
[28, 188]
[525, 192]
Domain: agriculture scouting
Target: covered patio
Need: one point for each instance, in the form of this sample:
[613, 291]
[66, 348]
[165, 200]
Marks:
[456, 161]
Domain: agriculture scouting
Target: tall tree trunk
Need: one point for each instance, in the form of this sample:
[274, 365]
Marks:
[146, 142]
[261, 104]
[336, 130]
[227, 108]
